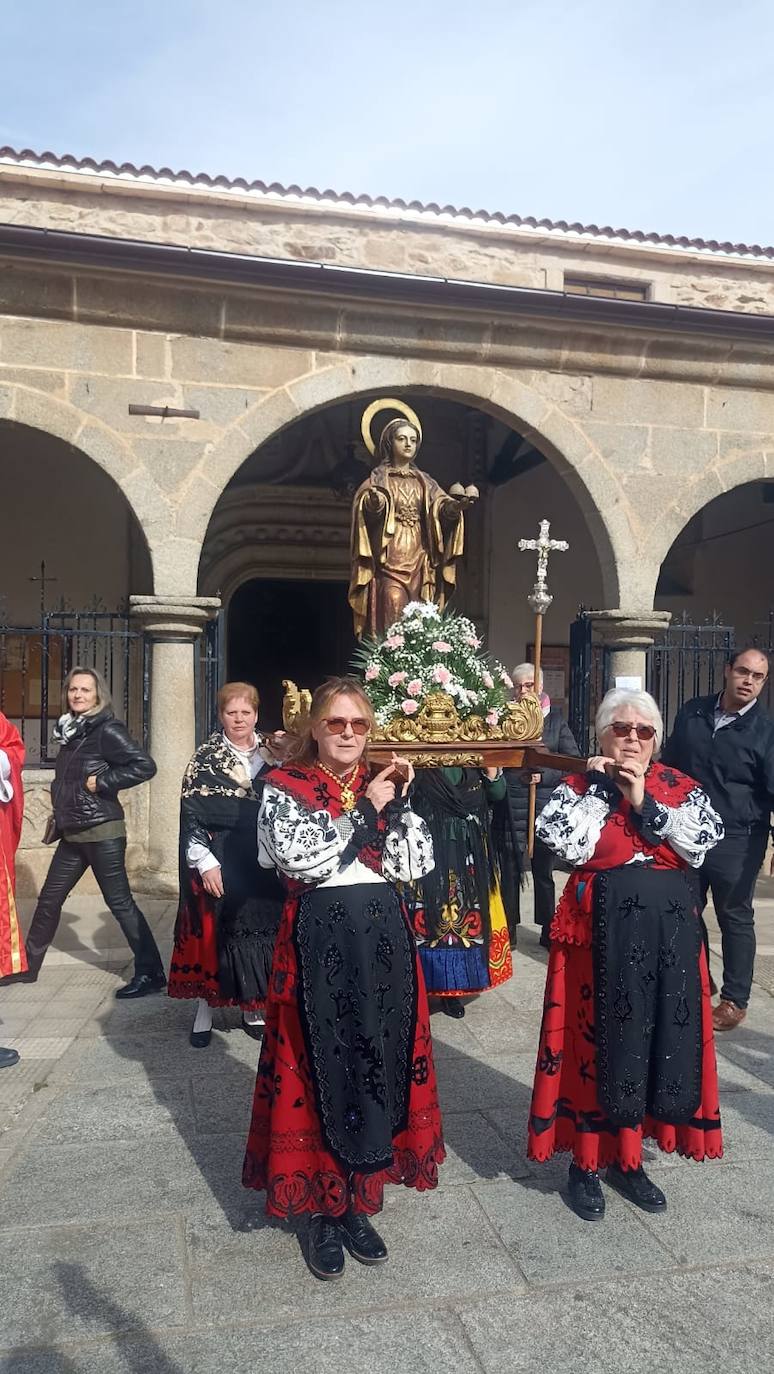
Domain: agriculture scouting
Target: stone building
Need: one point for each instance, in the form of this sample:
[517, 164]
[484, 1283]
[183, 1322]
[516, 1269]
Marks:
[617, 383]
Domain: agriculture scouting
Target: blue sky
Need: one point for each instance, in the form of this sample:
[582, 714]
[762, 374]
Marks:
[645, 115]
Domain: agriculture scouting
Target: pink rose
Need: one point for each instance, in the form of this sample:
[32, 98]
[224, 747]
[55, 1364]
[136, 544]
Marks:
[506, 679]
[394, 642]
[371, 672]
[414, 688]
[442, 647]
[487, 680]
[409, 707]
[441, 674]
[395, 679]
[491, 717]
[473, 642]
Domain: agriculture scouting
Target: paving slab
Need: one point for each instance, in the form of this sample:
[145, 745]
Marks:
[375, 1343]
[551, 1245]
[125, 1111]
[437, 1242]
[691, 1323]
[59, 1283]
[717, 1212]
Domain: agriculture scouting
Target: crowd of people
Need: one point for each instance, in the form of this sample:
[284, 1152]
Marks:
[336, 904]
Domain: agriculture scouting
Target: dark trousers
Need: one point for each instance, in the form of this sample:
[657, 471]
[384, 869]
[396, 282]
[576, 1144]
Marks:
[107, 859]
[543, 860]
[730, 871]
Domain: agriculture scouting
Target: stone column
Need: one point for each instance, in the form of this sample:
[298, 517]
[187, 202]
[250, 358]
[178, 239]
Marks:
[628, 635]
[174, 625]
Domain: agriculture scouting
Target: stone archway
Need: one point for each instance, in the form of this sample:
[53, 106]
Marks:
[561, 438]
[40, 412]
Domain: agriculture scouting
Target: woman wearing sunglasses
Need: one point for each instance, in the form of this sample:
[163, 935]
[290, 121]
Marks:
[626, 1049]
[345, 1098]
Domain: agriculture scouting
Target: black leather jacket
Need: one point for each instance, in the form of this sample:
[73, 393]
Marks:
[106, 749]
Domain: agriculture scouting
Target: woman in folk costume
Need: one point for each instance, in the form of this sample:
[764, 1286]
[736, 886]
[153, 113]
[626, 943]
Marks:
[345, 1098]
[456, 911]
[229, 906]
[13, 958]
[626, 1049]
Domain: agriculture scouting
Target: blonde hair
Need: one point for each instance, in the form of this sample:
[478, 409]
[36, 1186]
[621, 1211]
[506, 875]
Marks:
[304, 748]
[229, 690]
[104, 700]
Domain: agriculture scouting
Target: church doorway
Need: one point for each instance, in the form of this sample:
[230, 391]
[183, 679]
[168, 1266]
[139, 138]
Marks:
[287, 628]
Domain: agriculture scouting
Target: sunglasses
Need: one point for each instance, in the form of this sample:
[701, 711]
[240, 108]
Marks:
[622, 730]
[336, 725]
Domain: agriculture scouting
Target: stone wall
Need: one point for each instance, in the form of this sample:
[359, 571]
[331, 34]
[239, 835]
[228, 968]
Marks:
[33, 857]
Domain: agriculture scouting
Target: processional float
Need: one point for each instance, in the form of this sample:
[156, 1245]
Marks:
[439, 699]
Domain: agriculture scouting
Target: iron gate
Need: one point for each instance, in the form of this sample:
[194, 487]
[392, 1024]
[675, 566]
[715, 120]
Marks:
[35, 660]
[589, 679]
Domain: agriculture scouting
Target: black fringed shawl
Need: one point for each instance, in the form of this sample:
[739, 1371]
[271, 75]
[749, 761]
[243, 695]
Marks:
[458, 817]
[219, 809]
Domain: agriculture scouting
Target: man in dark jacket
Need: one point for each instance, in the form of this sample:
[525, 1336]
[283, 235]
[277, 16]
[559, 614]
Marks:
[558, 738]
[726, 743]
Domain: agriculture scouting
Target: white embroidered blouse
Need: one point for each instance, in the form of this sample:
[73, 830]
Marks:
[312, 847]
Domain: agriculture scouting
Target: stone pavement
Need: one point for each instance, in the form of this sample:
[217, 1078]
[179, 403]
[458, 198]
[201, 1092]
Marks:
[124, 1240]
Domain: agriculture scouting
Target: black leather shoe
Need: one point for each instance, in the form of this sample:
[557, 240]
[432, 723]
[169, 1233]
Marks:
[8, 1058]
[635, 1185]
[200, 1039]
[29, 976]
[141, 985]
[255, 1031]
[586, 1197]
[362, 1239]
[325, 1252]
[452, 1006]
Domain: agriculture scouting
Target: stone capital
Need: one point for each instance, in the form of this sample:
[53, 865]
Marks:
[630, 629]
[174, 617]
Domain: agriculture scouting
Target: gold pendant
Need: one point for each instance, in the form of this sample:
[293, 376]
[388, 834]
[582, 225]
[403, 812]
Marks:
[348, 799]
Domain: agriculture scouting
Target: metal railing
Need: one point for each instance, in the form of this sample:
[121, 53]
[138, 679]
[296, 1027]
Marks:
[35, 660]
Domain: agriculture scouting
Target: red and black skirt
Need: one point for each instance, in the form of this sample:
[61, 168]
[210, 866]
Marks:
[345, 1098]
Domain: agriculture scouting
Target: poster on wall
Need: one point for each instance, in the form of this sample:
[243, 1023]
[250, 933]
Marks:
[555, 666]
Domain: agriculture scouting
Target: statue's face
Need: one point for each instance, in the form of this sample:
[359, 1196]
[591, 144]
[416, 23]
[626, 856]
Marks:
[404, 444]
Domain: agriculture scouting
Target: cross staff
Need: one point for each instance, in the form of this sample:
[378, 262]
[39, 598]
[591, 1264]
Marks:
[539, 601]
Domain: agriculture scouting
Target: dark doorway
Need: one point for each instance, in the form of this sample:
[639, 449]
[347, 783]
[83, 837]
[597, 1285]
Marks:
[287, 629]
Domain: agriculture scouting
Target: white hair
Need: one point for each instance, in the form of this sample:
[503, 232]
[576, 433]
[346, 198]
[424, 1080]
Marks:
[641, 702]
[524, 670]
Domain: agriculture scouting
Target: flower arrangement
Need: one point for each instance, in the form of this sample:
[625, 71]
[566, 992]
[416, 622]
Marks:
[429, 651]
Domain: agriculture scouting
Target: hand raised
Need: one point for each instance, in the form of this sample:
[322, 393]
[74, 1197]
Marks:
[380, 790]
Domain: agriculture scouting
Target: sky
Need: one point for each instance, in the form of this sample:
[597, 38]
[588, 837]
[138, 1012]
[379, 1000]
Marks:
[655, 116]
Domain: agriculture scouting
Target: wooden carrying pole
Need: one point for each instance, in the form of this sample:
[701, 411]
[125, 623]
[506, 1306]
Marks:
[532, 804]
[539, 600]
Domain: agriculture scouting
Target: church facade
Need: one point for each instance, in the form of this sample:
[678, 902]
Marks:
[184, 362]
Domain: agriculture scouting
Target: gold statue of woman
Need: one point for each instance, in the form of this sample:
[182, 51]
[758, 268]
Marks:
[407, 532]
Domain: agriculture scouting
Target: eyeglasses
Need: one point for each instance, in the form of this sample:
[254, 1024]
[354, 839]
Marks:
[623, 728]
[336, 725]
[748, 672]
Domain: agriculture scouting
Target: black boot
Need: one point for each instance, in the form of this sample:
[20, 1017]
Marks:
[635, 1185]
[452, 1006]
[361, 1239]
[325, 1253]
[586, 1197]
[8, 1058]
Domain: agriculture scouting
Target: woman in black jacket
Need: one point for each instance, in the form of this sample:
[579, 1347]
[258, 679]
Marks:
[98, 759]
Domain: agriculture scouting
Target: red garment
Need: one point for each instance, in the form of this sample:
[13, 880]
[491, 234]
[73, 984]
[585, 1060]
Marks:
[194, 968]
[286, 1154]
[565, 1114]
[13, 956]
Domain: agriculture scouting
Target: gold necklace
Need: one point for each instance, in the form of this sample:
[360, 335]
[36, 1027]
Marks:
[348, 798]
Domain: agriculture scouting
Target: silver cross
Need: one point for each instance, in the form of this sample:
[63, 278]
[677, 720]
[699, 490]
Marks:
[540, 600]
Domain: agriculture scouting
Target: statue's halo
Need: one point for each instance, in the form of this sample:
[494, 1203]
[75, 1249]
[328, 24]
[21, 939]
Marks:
[385, 403]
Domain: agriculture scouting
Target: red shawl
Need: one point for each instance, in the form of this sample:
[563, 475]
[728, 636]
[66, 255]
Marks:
[13, 958]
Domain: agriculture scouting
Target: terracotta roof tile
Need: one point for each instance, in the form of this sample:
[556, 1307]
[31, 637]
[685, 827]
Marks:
[275, 190]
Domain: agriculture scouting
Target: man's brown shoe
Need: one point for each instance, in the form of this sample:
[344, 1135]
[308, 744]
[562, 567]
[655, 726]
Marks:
[727, 1015]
